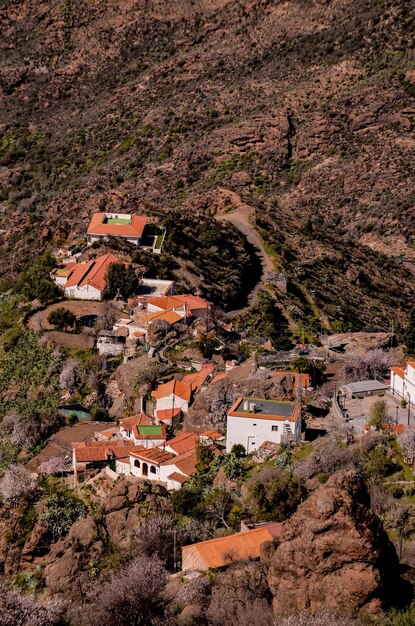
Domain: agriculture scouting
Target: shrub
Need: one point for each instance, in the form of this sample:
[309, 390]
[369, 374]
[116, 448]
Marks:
[62, 318]
[120, 279]
[24, 610]
[133, 595]
[17, 484]
[379, 415]
[61, 512]
[274, 494]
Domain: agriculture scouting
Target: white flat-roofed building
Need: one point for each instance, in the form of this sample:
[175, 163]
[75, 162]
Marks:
[252, 421]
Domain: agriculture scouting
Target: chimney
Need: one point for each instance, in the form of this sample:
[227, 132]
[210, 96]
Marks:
[252, 407]
[246, 405]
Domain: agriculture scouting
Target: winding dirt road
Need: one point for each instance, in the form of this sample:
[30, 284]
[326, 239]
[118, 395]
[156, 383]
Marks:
[240, 219]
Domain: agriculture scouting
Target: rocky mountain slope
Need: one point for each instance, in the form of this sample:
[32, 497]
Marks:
[304, 109]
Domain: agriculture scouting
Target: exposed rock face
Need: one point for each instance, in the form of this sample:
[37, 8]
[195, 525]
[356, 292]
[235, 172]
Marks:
[334, 554]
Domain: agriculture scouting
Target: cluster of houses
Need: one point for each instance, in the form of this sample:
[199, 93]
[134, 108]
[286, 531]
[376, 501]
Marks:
[139, 447]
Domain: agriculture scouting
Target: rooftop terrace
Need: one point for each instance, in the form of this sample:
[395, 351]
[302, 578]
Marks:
[258, 406]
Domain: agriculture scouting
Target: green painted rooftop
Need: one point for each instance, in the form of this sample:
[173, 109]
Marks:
[150, 430]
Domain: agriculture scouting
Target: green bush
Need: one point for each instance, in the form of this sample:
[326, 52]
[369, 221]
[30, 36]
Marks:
[62, 318]
[62, 510]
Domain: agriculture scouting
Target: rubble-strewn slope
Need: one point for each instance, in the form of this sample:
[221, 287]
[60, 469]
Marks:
[304, 108]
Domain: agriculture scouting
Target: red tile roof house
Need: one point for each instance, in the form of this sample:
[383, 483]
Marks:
[126, 226]
[186, 305]
[89, 455]
[224, 551]
[84, 281]
[141, 430]
[172, 399]
[170, 464]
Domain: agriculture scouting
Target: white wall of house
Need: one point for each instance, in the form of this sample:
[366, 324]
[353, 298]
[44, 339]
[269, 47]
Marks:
[94, 238]
[87, 292]
[173, 485]
[404, 387]
[166, 470]
[60, 280]
[251, 432]
[172, 402]
[137, 468]
[122, 467]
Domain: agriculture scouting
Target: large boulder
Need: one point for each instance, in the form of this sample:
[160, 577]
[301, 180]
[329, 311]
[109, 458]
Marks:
[334, 555]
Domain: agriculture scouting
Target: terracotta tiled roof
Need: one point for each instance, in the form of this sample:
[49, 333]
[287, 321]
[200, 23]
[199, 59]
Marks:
[166, 316]
[167, 414]
[141, 419]
[399, 371]
[134, 229]
[179, 478]
[91, 273]
[185, 462]
[166, 303]
[394, 428]
[197, 379]
[244, 545]
[155, 455]
[183, 442]
[176, 387]
[219, 377]
[188, 303]
[212, 434]
[89, 451]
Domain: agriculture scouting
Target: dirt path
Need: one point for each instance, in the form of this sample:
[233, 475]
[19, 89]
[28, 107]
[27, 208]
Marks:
[240, 219]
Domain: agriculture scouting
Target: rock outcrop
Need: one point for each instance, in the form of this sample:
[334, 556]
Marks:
[334, 554]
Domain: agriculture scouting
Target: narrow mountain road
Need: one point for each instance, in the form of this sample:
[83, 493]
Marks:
[240, 219]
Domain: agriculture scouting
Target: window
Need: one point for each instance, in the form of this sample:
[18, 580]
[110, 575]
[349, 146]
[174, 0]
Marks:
[274, 429]
[152, 469]
[136, 463]
[253, 424]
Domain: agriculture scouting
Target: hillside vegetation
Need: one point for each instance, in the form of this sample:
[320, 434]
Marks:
[305, 109]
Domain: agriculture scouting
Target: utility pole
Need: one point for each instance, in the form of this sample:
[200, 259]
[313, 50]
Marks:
[174, 550]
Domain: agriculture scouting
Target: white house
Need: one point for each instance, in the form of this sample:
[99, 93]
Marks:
[126, 226]
[252, 421]
[163, 467]
[402, 382]
[141, 430]
[172, 399]
[84, 281]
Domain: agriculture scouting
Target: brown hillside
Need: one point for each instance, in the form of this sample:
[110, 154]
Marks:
[304, 108]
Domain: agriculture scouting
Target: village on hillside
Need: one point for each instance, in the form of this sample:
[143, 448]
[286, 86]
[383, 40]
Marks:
[141, 324]
[163, 392]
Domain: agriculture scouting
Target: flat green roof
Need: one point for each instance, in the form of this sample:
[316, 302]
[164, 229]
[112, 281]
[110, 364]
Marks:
[150, 430]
